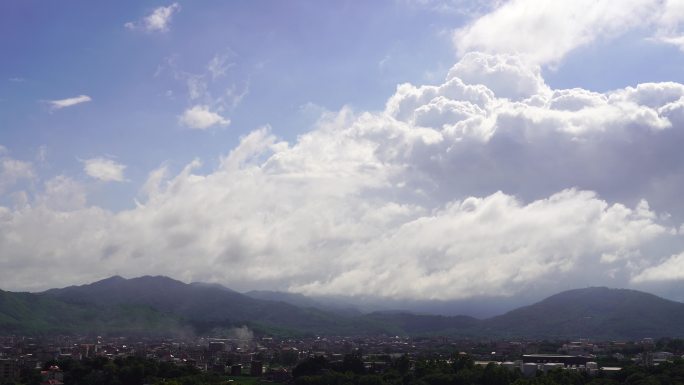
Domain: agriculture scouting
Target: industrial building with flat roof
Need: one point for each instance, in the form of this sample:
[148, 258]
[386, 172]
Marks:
[556, 358]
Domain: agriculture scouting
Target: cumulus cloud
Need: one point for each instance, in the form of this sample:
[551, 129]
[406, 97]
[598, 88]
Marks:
[68, 102]
[506, 75]
[491, 183]
[544, 32]
[200, 117]
[157, 21]
[534, 144]
[104, 169]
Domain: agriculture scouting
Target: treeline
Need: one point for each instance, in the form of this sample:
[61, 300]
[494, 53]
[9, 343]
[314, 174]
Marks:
[351, 371]
[124, 371]
[463, 371]
[674, 345]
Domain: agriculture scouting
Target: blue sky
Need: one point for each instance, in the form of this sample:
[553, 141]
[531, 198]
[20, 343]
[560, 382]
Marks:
[289, 59]
[373, 142]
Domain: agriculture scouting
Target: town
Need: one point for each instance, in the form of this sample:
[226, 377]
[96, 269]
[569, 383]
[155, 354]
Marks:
[275, 360]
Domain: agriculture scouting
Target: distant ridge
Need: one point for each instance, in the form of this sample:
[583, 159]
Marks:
[161, 305]
[27, 313]
[594, 312]
[301, 300]
[203, 306]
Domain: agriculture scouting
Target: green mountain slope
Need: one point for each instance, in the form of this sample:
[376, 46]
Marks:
[37, 314]
[418, 324]
[303, 301]
[205, 307]
[596, 312]
[160, 305]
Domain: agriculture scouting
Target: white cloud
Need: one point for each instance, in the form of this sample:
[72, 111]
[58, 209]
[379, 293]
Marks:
[219, 65]
[42, 154]
[68, 102]
[16, 169]
[491, 246]
[211, 93]
[61, 194]
[151, 187]
[13, 170]
[668, 24]
[104, 169]
[544, 32]
[489, 183]
[671, 269]
[157, 21]
[197, 87]
[507, 76]
[201, 117]
[464, 7]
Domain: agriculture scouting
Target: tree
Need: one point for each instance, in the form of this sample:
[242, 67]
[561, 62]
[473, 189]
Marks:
[310, 367]
[353, 363]
[402, 364]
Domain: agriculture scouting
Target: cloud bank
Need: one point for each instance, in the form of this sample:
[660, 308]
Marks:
[491, 183]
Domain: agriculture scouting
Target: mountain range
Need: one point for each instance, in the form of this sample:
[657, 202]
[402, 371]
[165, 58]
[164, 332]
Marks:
[164, 306]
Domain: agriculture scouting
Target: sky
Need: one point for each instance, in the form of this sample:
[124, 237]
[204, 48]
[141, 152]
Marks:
[405, 149]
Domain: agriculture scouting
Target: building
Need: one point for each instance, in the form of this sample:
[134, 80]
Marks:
[566, 360]
[9, 370]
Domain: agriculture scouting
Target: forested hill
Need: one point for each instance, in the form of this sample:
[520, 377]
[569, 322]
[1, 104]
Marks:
[161, 305]
[595, 312]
